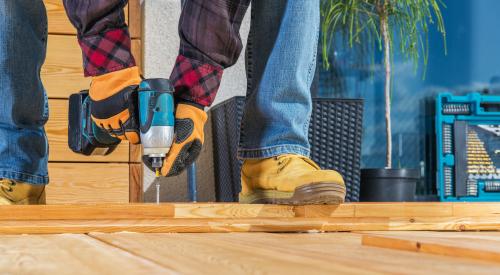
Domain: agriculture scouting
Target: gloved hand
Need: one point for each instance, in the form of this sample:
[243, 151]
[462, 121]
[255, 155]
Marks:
[189, 137]
[114, 103]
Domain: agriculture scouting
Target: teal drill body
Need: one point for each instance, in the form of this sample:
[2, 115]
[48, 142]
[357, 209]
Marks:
[156, 115]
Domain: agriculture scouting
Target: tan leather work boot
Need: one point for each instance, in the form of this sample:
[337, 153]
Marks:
[13, 192]
[290, 179]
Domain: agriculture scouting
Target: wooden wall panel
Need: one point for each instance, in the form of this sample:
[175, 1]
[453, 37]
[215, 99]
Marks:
[57, 132]
[59, 22]
[135, 18]
[62, 73]
[136, 192]
[76, 178]
[74, 183]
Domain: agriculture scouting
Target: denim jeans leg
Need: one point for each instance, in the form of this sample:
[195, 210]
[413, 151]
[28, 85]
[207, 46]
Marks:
[23, 101]
[281, 61]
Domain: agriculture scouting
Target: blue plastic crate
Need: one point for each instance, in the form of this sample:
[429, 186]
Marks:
[468, 147]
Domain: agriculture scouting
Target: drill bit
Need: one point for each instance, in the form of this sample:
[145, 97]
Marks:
[157, 180]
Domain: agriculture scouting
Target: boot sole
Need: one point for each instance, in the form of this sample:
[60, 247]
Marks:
[313, 193]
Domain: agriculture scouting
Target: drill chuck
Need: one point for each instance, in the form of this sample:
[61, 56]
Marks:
[156, 162]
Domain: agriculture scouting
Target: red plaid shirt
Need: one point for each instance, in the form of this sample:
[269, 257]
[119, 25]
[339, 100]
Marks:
[210, 42]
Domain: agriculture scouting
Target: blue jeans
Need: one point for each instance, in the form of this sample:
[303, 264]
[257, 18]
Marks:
[281, 62]
[23, 101]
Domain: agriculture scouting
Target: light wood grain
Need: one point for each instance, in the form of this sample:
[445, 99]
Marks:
[203, 225]
[213, 257]
[69, 254]
[57, 133]
[74, 183]
[404, 210]
[487, 209]
[59, 22]
[62, 73]
[346, 249]
[212, 217]
[135, 155]
[86, 212]
[480, 246]
[136, 49]
[347, 211]
[136, 192]
[135, 18]
[262, 253]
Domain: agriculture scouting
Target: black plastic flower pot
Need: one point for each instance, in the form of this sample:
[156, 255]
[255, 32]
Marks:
[388, 185]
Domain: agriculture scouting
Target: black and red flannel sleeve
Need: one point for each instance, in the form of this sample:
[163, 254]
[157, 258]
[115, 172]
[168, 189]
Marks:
[210, 42]
[102, 34]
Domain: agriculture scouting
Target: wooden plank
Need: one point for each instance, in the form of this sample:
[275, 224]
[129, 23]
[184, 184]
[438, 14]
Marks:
[317, 211]
[236, 210]
[404, 210]
[136, 192]
[58, 20]
[88, 183]
[346, 249]
[180, 251]
[453, 244]
[137, 51]
[85, 211]
[135, 18]
[65, 254]
[135, 153]
[466, 209]
[205, 225]
[62, 73]
[107, 184]
[57, 133]
[262, 253]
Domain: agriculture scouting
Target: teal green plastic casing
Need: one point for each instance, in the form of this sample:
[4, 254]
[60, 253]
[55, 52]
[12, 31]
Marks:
[156, 104]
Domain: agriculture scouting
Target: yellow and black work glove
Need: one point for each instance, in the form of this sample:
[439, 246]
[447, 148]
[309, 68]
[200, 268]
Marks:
[114, 103]
[189, 137]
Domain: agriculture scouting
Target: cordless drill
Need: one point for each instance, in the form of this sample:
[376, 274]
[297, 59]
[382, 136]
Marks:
[156, 120]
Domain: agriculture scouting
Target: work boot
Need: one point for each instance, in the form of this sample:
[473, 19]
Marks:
[14, 192]
[290, 179]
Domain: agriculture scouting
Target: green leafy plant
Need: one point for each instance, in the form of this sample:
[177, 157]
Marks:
[375, 24]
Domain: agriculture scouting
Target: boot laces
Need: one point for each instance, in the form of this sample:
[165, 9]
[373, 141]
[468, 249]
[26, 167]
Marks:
[284, 160]
[7, 185]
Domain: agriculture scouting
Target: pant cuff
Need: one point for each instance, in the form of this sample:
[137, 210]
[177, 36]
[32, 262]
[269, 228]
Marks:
[269, 152]
[23, 177]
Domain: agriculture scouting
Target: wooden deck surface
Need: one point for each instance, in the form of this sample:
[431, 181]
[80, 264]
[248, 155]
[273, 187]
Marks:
[230, 253]
[152, 239]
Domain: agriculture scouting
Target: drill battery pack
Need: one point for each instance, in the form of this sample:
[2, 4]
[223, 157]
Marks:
[468, 147]
[84, 136]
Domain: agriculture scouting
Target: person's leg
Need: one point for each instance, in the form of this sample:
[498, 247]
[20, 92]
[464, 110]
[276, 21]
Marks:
[23, 102]
[281, 62]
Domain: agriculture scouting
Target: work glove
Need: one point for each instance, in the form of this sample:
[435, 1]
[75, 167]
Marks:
[189, 137]
[114, 103]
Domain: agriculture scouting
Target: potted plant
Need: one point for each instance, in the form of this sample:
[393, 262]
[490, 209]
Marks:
[379, 24]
